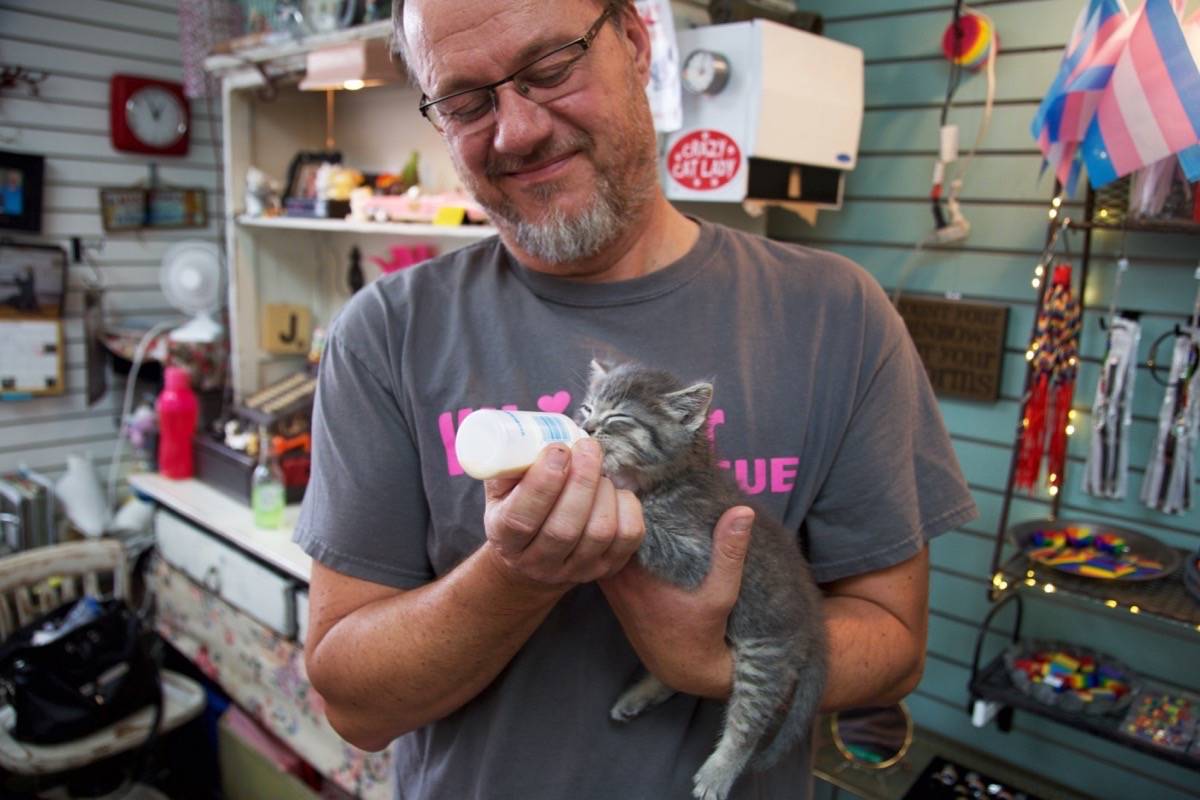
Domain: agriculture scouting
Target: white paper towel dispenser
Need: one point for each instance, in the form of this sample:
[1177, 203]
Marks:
[770, 113]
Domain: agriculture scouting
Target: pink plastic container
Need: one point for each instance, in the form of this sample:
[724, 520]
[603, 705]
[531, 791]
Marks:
[177, 412]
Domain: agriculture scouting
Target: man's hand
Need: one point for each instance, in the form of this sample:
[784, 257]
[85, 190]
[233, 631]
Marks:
[562, 522]
[679, 634]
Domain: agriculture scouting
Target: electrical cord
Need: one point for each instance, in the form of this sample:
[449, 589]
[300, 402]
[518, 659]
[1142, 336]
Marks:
[139, 354]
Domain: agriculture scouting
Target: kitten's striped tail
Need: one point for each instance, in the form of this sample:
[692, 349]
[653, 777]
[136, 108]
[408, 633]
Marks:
[797, 724]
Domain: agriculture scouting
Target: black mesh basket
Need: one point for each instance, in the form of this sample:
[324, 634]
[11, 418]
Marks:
[1111, 203]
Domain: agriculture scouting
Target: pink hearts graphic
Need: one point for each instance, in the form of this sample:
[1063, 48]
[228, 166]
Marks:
[556, 403]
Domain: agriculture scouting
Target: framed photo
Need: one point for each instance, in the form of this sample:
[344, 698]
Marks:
[21, 191]
[176, 208]
[33, 280]
[302, 173]
[134, 208]
[123, 209]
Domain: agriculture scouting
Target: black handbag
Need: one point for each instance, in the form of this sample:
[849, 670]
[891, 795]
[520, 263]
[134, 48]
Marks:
[88, 678]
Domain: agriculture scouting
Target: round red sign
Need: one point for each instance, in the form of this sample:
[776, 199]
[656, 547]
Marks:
[704, 160]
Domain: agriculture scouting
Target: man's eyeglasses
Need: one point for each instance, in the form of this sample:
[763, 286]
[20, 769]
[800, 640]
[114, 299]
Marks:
[545, 80]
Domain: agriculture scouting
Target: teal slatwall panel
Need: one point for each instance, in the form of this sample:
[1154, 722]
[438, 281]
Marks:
[1005, 199]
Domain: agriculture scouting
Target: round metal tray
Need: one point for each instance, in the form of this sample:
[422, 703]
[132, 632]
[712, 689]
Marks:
[1068, 701]
[1191, 576]
[1140, 543]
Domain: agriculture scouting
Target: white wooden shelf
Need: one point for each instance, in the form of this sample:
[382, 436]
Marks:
[467, 232]
[215, 511]
[292, 47]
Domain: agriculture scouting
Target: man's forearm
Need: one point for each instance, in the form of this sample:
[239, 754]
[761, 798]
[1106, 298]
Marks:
[406, 660]
[874, 659]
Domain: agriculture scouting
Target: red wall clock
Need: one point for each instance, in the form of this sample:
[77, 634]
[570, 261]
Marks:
[148, 115]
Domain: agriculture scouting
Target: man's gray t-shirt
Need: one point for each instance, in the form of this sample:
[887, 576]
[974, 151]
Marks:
[821, 411]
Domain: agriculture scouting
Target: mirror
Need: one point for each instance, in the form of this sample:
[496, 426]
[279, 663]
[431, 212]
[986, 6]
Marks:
[873, 738]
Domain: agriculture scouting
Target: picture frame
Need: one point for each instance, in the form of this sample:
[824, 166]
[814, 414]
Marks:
[302, 173]
[21, 177]
[134, 208]
[33, 281]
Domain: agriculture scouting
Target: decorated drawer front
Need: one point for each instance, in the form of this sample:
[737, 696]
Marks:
[227, 572]
[302, 615]
[264, 674]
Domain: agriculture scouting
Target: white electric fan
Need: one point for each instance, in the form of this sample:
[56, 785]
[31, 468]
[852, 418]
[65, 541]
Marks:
[191, 280]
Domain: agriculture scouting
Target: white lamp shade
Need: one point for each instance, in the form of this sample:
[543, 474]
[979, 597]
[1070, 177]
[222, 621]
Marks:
[362, 63]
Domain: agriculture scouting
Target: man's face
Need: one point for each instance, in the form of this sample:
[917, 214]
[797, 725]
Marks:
[561, 179]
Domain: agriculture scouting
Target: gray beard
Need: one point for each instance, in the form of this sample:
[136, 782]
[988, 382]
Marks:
[559, 239]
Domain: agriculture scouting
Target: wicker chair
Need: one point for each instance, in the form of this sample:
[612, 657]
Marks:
[36, 581]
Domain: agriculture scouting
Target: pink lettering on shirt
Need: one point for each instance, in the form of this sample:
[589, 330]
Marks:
[448, 429]
[777, 475]
[783, 474]
[740, 470]
[715, 417]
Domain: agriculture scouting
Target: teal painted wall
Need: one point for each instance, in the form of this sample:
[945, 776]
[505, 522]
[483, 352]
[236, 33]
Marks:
[886, 211]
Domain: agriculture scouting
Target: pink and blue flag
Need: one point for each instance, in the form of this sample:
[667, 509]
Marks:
[1063, 116]
[1150, 109]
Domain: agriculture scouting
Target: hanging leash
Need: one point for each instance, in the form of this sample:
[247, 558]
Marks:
[1106, 472]
[1167, 486]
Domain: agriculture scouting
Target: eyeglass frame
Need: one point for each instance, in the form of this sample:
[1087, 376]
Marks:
[584, 41]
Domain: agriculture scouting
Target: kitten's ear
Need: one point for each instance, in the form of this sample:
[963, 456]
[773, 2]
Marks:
[690, 406]
[599, 369]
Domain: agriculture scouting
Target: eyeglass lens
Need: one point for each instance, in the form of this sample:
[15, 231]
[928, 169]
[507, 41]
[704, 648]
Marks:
[548, 79]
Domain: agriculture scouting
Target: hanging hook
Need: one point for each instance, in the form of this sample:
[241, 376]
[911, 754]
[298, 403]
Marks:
[1196, 307]
[1066, 237]
[1122, 268]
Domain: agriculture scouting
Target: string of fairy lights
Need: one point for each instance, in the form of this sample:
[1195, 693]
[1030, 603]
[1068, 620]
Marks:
[1000, 581]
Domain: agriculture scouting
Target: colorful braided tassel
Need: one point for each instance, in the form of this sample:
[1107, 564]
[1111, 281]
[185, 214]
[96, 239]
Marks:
[1054, 361]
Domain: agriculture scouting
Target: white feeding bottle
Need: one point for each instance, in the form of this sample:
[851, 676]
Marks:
[503, 444]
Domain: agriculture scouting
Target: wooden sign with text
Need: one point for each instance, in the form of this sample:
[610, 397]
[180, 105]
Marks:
[961, 344]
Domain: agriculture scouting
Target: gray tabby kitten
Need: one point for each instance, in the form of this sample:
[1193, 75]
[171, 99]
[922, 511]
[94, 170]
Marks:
[656, 443]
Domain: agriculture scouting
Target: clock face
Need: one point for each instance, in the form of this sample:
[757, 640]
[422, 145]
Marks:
[705, 72]
[156, 116]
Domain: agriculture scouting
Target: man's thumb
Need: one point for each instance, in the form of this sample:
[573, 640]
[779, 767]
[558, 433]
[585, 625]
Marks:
[731, 541]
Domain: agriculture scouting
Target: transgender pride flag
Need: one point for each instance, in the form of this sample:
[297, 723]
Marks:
[1151, 107]
[1063, 116]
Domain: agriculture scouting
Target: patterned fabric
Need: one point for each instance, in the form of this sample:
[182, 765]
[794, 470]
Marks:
[264, 674]
[203, 24]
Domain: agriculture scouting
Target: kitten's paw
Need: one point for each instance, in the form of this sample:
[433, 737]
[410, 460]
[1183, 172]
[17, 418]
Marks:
[628, 706]
[642, 695]
[713, 781]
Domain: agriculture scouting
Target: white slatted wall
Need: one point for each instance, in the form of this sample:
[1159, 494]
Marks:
[80, 45]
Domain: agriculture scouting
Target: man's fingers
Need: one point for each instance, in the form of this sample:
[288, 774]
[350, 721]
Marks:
[498, 488]
[559, 531]
[631, 529]
[731, 542]
[518, 508]
[601, 527]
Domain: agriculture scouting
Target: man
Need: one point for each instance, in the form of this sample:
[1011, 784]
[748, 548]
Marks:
[491, 627]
